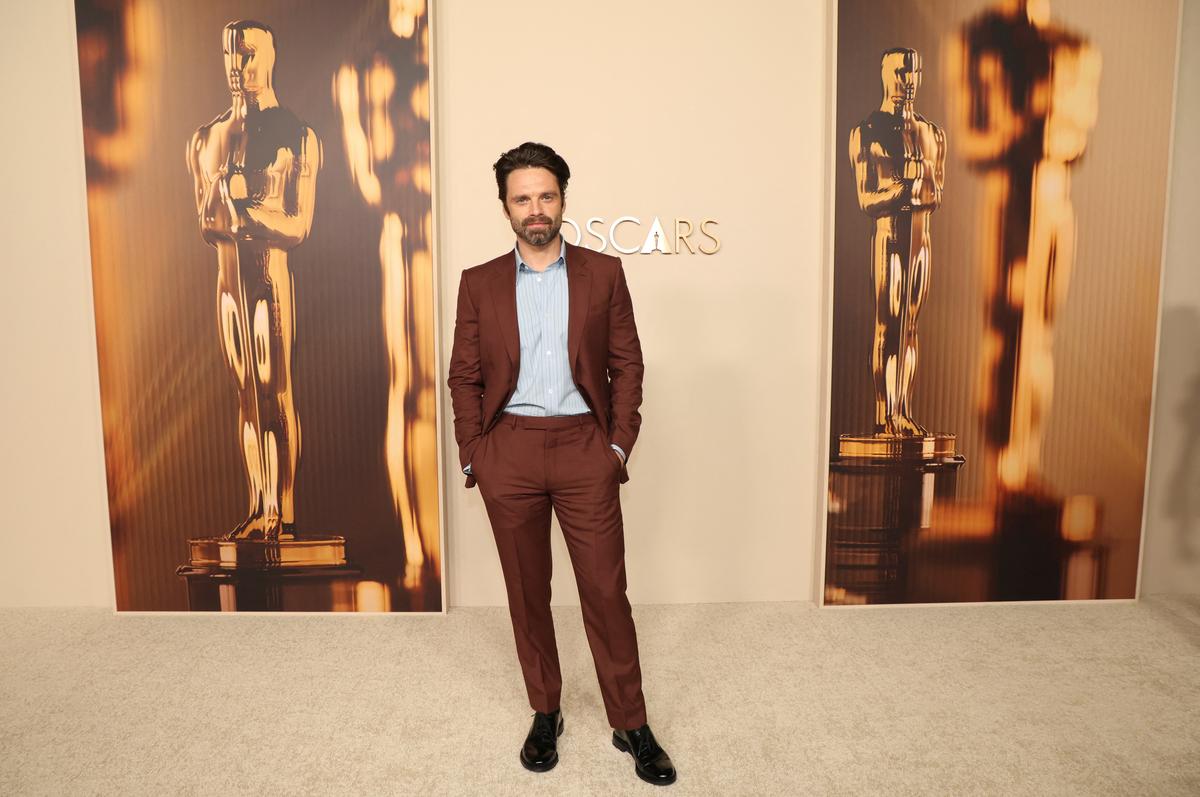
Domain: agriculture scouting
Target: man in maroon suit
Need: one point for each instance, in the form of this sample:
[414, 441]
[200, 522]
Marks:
[546, 381]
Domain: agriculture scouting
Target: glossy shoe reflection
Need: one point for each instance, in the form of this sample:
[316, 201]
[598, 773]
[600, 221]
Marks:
[540, 752]
[651, 762]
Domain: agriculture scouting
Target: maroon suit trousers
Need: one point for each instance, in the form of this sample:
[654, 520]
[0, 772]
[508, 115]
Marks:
[525, 467]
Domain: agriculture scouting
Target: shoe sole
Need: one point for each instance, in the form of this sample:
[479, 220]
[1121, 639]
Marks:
[562, 725]
[624, 748]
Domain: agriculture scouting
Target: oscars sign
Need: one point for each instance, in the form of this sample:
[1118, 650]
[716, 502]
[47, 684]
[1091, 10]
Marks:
[603, 235]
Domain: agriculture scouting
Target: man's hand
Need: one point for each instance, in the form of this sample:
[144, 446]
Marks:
[616, 450]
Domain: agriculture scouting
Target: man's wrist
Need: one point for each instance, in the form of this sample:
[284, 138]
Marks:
[620, 452]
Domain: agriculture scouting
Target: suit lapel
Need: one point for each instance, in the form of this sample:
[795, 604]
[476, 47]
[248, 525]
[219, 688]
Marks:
[579, 284]
[504, 294]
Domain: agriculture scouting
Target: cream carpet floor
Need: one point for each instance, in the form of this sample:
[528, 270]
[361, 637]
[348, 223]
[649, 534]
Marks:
[763, 699]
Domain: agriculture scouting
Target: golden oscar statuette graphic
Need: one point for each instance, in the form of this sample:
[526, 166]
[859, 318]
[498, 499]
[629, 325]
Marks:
[1027, 97]
[882, 484]
[899, 160]
[254, 170]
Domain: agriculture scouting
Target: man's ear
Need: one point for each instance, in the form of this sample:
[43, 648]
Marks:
[504, 207]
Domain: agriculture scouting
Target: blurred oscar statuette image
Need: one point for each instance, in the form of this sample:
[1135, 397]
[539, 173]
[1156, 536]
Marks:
[1048, 403]
[318, 331]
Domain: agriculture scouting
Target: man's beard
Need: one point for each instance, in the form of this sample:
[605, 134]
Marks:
[537, 237]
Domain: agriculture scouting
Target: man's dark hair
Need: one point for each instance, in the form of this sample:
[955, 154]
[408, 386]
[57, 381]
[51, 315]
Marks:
[530, 155]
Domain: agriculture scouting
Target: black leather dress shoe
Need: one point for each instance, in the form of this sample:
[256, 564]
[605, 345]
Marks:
[650, 761]
[540, 752]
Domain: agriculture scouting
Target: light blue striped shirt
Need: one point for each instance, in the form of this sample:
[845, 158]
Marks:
[545, 385]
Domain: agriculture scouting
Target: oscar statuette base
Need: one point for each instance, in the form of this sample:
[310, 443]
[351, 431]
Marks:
[881, 495]
[290, 573]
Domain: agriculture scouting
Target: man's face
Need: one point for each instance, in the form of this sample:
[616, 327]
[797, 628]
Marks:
[901, 76]
[249, 59]
[534, 205]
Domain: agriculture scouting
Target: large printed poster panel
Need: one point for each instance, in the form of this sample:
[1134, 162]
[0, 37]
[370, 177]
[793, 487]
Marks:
[1000, 174]
[259, 200]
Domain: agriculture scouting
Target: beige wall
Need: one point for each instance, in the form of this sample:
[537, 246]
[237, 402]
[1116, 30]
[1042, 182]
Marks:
[1171, 553]
[671, 109]
[54, 530]
[666, 109]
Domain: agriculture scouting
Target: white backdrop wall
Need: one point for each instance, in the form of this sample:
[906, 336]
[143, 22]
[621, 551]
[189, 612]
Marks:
[667, 109]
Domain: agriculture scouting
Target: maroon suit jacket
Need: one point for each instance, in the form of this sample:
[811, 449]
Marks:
[602, 346]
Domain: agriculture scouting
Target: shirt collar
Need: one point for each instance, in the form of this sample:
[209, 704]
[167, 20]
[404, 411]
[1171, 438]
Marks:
[562, 256]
